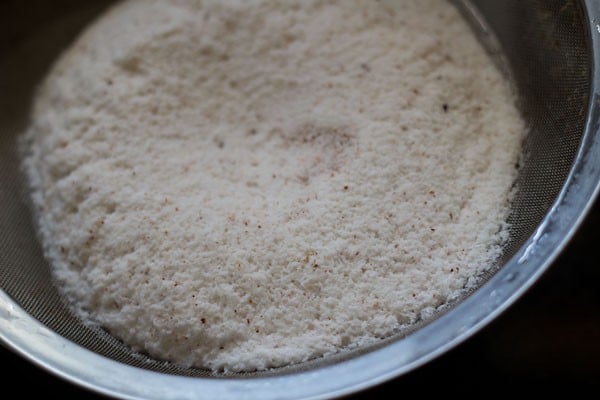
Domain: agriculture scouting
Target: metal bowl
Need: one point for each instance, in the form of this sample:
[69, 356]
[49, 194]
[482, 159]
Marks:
[550, 51]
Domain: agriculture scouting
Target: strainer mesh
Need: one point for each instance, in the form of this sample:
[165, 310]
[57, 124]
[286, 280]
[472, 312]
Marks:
[543, 44]
[547, 52]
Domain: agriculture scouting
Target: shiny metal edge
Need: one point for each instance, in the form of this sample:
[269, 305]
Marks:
[50, 351]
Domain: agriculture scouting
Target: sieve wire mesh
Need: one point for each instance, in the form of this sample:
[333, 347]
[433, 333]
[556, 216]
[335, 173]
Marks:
[541, 43]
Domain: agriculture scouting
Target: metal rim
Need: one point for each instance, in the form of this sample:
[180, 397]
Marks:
[50, 351]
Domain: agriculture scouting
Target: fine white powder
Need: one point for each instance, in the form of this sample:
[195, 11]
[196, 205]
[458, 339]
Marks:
[240, 185]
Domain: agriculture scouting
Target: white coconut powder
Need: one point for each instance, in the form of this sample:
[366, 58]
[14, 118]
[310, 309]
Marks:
[244, 185]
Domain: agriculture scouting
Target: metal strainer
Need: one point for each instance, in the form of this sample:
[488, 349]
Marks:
[550, 49]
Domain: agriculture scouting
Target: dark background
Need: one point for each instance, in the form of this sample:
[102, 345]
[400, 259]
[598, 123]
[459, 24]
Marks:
[548, 341]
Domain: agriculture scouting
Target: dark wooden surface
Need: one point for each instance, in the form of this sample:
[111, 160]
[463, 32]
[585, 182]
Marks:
[549, 340]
